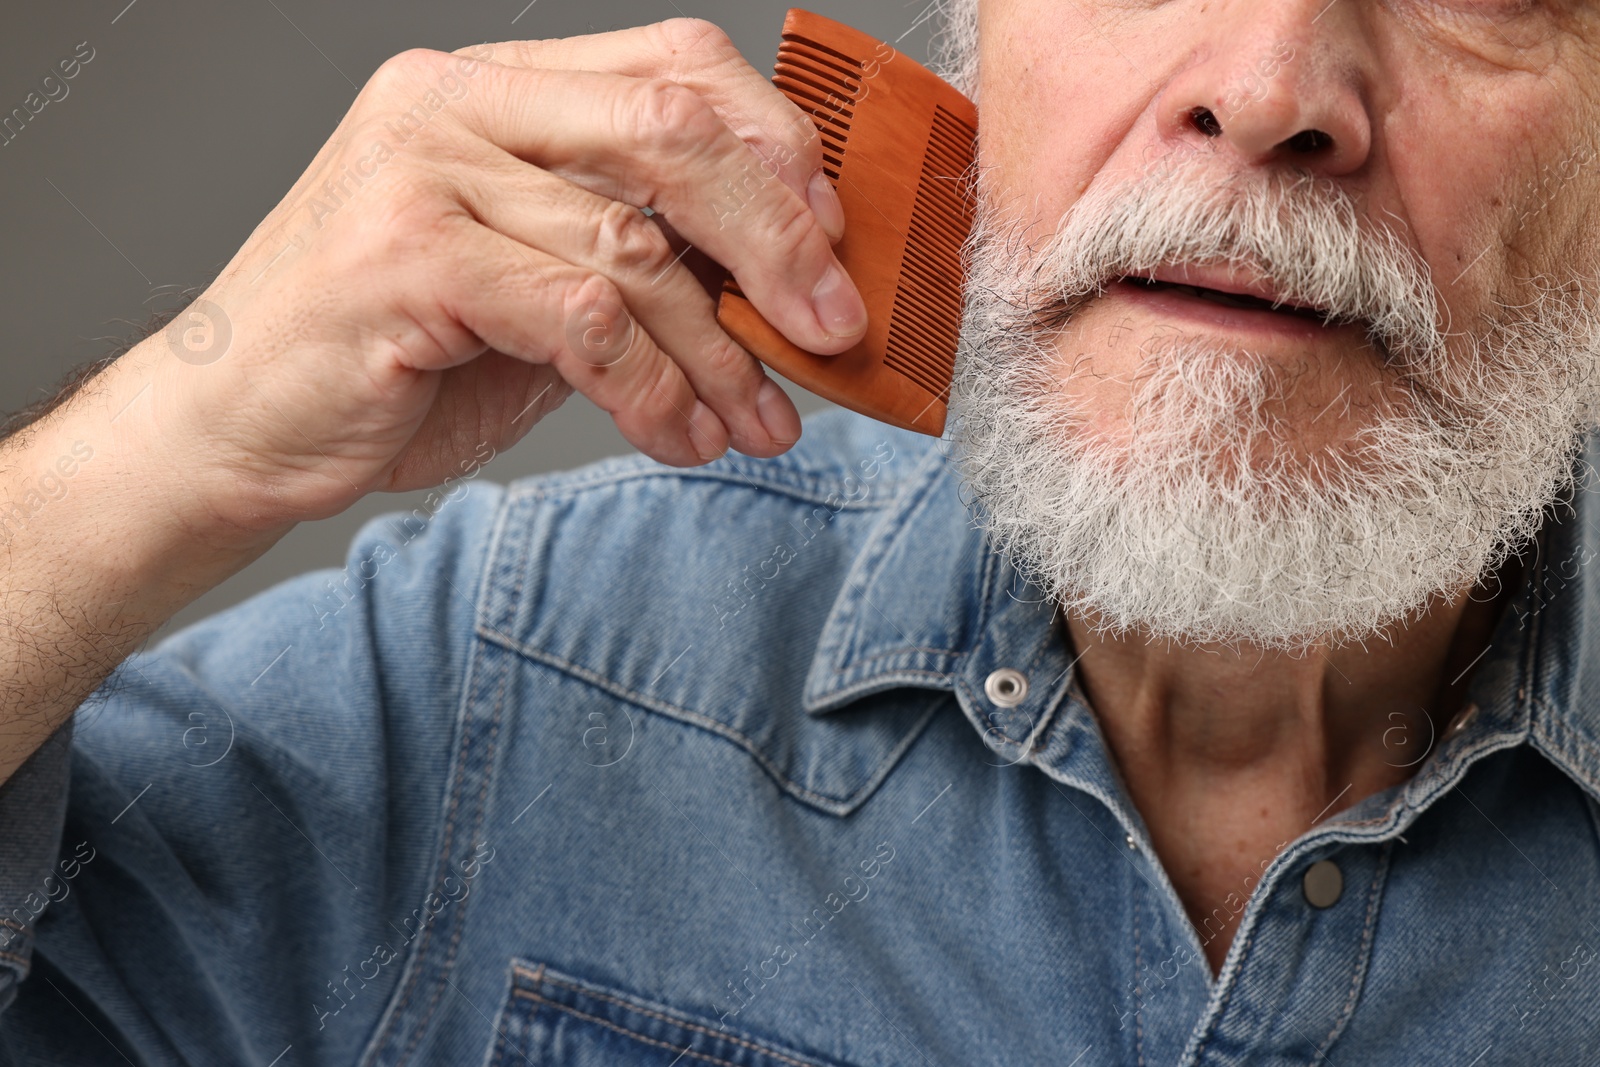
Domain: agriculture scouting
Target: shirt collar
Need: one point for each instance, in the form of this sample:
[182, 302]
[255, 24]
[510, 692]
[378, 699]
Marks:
[1560, 609]
[904, 614]
[929, 603]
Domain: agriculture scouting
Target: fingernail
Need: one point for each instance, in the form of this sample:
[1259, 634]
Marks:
[777, 414]
[825, 205]
[706, 432]
[837, 304]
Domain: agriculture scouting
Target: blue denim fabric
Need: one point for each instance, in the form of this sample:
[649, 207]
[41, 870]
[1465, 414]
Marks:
[696, 767]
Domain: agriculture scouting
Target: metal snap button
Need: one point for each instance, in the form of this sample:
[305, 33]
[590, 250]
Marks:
[1323, 884]
[1006, 688]
[1462, 720]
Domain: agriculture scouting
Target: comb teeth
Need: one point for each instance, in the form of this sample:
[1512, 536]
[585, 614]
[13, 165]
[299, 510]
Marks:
[827, 85]
[926, 321]
[896, 143]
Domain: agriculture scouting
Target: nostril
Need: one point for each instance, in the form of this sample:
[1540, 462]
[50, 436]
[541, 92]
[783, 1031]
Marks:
[1203, 120]
[1307, 141]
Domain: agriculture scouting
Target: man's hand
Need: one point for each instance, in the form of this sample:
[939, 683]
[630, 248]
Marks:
[466, 250]
[471, 241]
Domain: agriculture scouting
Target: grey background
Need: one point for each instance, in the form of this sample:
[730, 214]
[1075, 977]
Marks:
[192, 121]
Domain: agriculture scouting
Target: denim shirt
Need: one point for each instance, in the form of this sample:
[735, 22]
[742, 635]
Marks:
[769, 764]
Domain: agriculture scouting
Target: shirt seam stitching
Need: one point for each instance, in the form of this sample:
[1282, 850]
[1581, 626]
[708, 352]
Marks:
[528, 994]
[662, 1016]
[395, 1014]
[546, 488]
[1374, 895]
[839, 805]
[458, 920]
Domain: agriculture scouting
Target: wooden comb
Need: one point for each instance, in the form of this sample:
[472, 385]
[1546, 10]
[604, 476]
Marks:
[897, 143]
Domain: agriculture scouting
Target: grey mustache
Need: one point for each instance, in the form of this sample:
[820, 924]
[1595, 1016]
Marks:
[1305, 237]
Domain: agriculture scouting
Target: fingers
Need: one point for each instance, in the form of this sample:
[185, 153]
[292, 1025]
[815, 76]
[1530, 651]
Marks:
[536, 307]
[492, 401]
[700, 56]
[653, 142]
[547, 148]
[662, 294]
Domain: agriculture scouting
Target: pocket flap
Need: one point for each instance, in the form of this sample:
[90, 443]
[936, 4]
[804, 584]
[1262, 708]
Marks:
[552, 1019]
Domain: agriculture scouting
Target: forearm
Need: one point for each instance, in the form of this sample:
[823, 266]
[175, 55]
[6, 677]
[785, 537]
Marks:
[373, 345]
[100, 543]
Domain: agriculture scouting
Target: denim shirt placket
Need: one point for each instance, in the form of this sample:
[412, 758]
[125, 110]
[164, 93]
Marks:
[1271, 993]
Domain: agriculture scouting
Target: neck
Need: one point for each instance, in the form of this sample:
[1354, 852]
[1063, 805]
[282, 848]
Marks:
[1328, 717]
[1231, 753]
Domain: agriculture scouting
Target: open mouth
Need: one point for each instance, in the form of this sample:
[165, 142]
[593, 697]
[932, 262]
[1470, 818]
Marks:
[1234, 300]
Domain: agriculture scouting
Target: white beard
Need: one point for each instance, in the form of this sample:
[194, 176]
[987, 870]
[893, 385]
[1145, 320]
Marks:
[1201, 521]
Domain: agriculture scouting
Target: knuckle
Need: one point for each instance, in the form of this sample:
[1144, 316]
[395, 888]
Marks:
[793, 151]
[404, 222]
[487, 51]
[785, 154]
[663, 115]
[630, 242]
[693, 35]
[729, 365]
[728, 373]
[435, 251]
[599, 330]
[653, 394]
[802, 134]
[793, 230]
[401, 72]
[586, 292]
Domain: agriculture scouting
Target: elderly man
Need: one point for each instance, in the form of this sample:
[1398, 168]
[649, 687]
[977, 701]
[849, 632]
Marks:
[1218, 693]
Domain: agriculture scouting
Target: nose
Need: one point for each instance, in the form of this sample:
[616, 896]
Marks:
[1286, 89]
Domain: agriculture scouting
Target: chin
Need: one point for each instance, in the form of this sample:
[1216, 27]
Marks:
[1198, 500]
[1224, 409]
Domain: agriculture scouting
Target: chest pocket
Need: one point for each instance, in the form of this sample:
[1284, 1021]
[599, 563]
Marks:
[554, 1020]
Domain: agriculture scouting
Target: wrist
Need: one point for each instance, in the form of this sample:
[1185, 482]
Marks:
[104, 488]
[99, 548]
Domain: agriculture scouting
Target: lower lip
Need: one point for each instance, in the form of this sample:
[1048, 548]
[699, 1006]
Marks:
[1175, 304]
